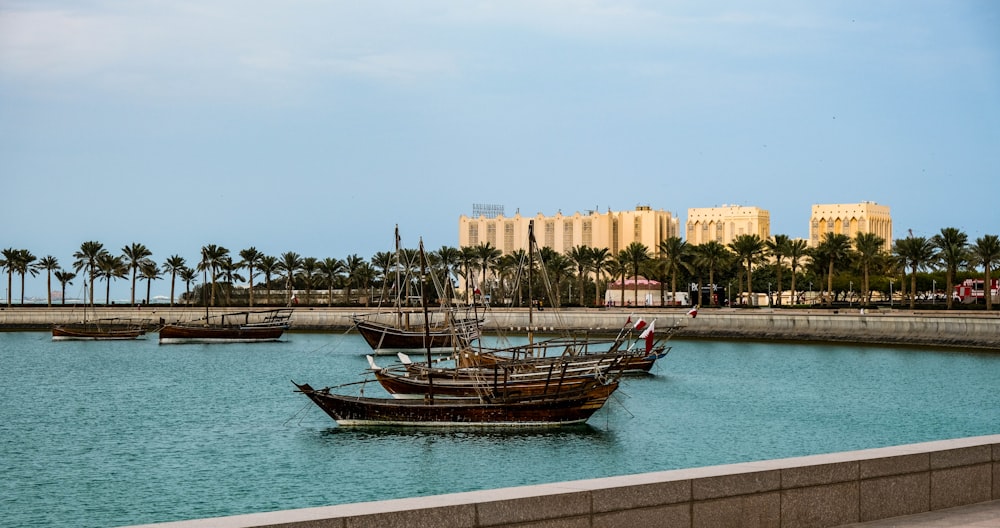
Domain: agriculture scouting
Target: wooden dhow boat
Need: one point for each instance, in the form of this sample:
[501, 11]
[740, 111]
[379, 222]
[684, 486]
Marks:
[537, 377]
[105, 329]
[235, 327]
[552, 405]
[565, 408]
[409, 325]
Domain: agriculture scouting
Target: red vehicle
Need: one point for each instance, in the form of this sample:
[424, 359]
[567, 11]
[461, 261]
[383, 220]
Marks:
[971, 291]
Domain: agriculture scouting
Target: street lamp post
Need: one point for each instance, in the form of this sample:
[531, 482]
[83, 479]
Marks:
[890, 293]
[850, 293]
[933, 291]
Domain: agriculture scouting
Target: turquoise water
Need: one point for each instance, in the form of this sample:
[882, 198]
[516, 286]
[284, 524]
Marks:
[119, 433]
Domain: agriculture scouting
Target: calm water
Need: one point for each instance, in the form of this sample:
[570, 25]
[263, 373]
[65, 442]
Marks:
[117, 433]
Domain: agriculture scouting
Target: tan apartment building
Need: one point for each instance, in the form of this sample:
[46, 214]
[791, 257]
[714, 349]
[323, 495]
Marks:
[614, 230]
[849, 219]
[724, 224]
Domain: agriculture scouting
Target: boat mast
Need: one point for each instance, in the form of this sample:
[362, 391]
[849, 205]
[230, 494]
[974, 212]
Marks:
[398, 286]
[531, 299]
[427, 326]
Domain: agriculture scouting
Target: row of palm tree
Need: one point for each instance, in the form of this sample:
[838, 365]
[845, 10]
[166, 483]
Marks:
[486, 269]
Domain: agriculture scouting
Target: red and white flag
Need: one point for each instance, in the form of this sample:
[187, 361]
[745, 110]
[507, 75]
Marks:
[647, 334]
[639, 324]
[693, 312]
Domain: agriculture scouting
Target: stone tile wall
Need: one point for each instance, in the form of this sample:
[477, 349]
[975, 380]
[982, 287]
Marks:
[807, 492]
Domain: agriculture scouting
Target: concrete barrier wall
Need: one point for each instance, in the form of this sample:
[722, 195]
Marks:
[979, 330]
[813, 491]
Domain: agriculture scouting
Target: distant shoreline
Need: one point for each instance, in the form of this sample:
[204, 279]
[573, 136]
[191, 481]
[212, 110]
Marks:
[939, 328]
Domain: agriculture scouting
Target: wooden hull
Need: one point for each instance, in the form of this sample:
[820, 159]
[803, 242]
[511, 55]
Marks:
[382, 336]
[208, 334]
[237, 327]
[569, 409]
[68, 333]
[109, 329]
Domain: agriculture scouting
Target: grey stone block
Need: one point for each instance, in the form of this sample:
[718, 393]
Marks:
[894, 496]
[960, 486]
[820, 506]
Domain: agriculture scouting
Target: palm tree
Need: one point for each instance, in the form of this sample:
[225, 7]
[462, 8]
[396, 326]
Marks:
[915, 253]
[711, 255]
[188, 276]
[330, 269]
[308, 272]
[749, 249]
[580, 256]
[673, 250]
[778, 246]
[48, 264]
[448, 257]
[228, 271]
[365, 275]
[86, 260]
[487, 256]
[134, 255]
[251, 260]
[558, 267]
[469, 258]
[986, 252]
[174, 264]
[352, 265]
[636, 253]
[149, 271]
[834, 248]
[268, 265]
[869, 250]
[953, 250]
[619, 269]
[23, 266]
[211, 258]
[110, 267]
[797, 251]
[8, 261]
[289, 263]
[64, 278]
[600, 260]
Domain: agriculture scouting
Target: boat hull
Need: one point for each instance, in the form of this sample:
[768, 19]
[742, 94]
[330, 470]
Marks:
[171, 334]
[353, 411]
[114, 329]
[381, 337]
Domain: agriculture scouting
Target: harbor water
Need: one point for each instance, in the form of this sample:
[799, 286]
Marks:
[129, 432]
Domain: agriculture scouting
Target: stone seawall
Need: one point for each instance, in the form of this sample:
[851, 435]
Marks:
[813, 491]
[977, 330]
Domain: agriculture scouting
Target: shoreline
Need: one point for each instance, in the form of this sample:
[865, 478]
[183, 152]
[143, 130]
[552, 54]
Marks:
[922, 328]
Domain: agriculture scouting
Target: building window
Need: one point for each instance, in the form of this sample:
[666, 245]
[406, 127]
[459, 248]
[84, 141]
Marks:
[508, 236]
[588, 233]
[491, 234]
[550, 234]
[567, 234]
[473, 234]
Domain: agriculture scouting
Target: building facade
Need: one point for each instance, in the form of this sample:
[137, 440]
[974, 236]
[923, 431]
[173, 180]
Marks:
[849, 220]
[613, 230]
[724, 224]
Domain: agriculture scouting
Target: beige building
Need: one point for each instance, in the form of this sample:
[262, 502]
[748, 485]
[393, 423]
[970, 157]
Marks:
[849, 219]
[613, 230]
[726, 223]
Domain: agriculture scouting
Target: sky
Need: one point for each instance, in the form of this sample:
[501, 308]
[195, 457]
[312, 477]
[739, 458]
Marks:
[316, 126]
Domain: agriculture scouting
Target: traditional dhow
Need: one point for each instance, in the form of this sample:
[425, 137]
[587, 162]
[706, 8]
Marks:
[236, 327]
[407, 330]
[525, 378]
[106, 329]
[566, 408]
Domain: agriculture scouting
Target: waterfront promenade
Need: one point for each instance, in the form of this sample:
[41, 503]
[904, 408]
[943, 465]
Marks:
[936, 328]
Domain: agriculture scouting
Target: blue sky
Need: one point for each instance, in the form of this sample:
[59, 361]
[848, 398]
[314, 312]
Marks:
[316, 126]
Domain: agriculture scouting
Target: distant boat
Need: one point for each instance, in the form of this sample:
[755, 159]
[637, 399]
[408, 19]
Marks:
[235, 327]
[106, 329]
